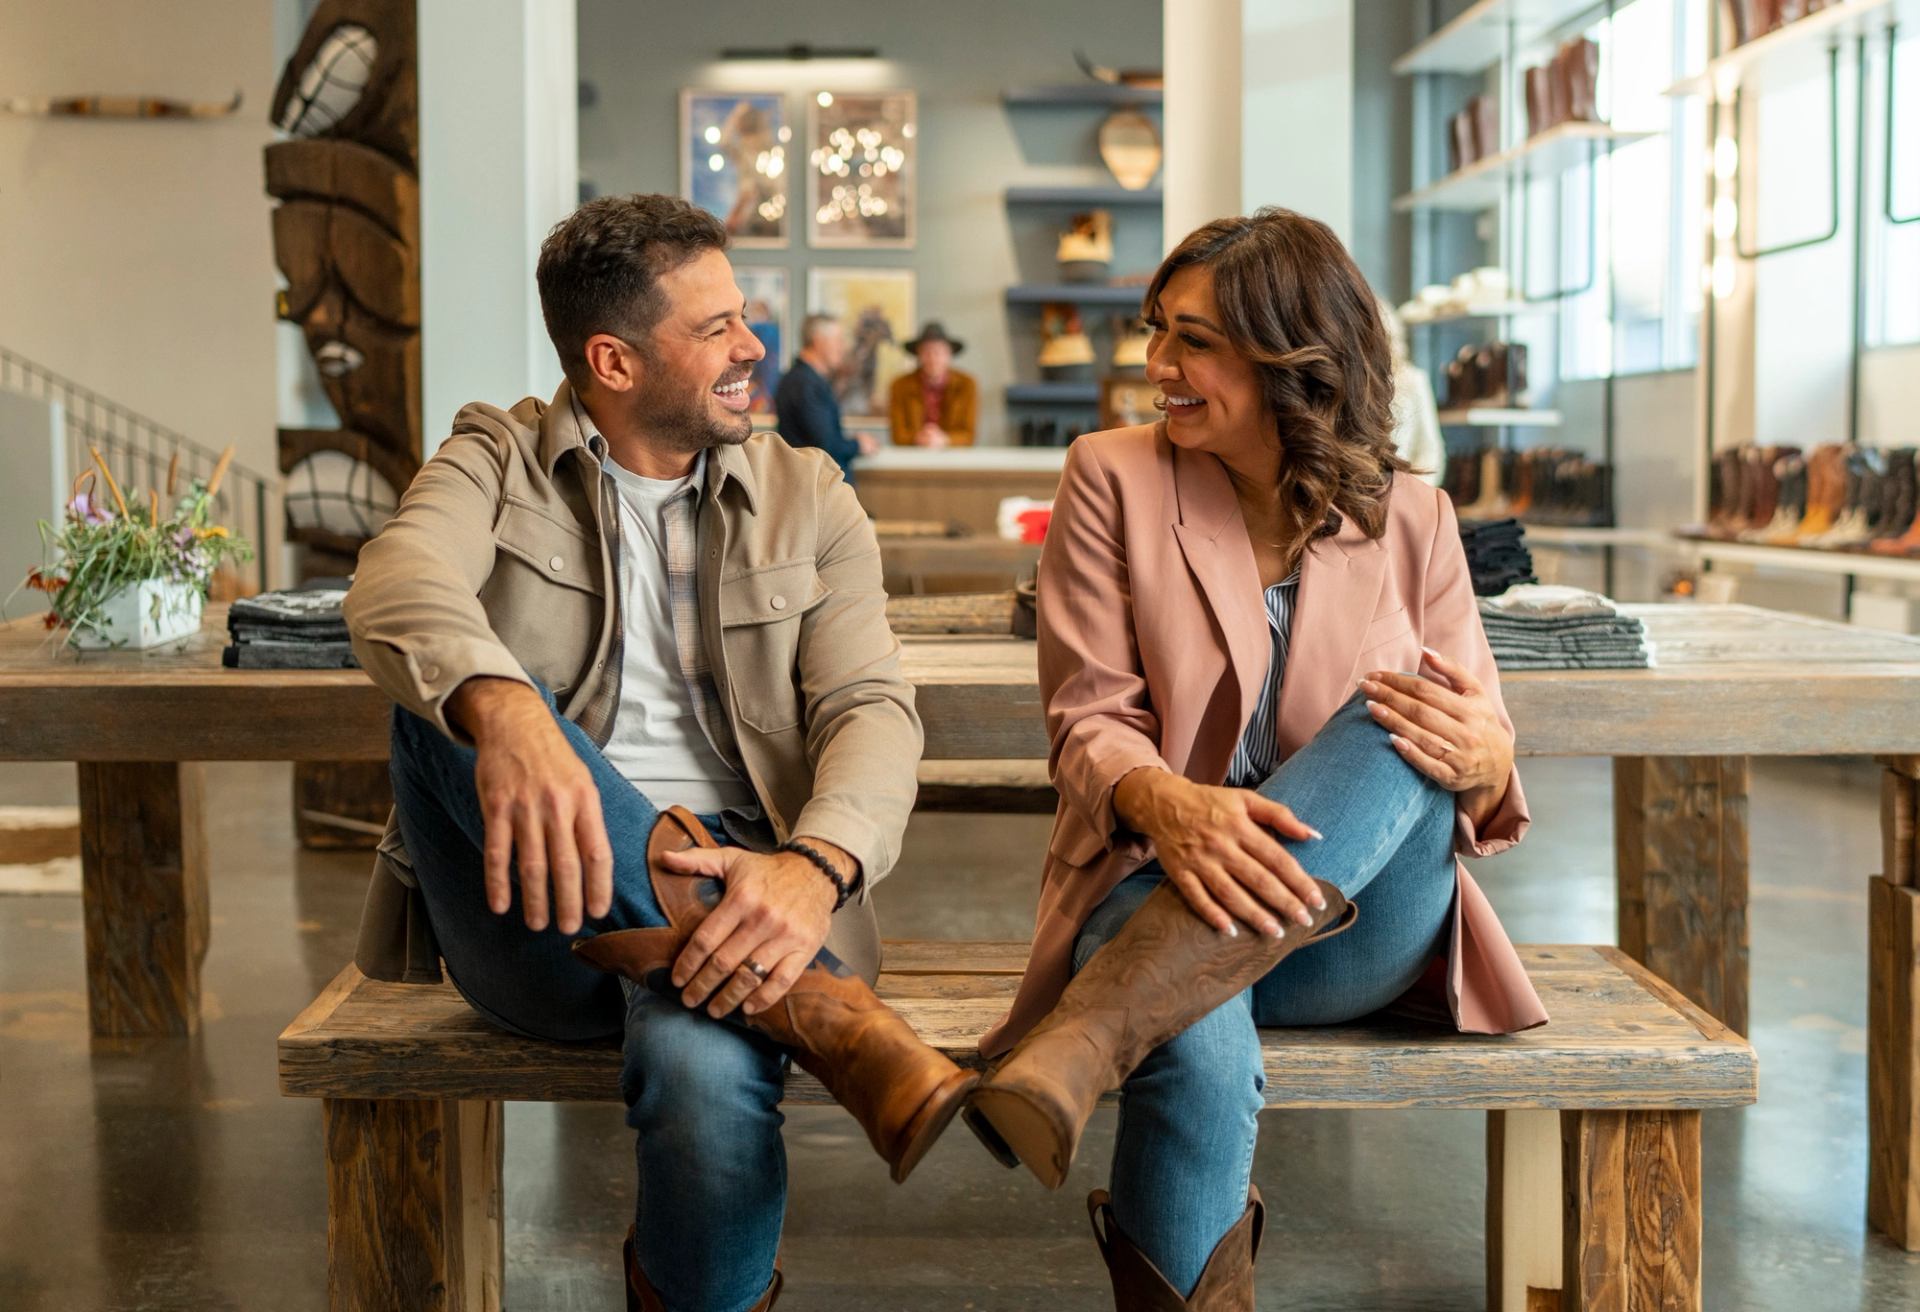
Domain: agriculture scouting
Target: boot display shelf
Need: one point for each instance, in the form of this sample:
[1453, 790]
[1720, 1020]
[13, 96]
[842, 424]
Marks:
[1479, 37]
[1478, 416]
[1811, 560]
[1076, 293]
[1838, 21]
[1484, 183]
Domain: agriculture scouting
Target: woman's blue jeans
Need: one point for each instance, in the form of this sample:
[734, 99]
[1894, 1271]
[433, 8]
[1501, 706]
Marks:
[1188, 1114]
[704, 1096]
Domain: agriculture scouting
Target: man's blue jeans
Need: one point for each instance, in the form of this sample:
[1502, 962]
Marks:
[1188, 1115]
[703, 1095]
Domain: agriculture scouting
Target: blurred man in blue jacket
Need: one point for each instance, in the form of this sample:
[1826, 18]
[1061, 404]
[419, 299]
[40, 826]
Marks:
[806, 411]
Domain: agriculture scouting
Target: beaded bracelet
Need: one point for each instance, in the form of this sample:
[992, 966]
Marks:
[845, 890]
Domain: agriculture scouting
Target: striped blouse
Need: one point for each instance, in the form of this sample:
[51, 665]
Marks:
[1256, 755]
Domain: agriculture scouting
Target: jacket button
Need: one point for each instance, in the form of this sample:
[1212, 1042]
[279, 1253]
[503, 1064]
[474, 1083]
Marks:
[557, 563]
[430, 673]
[778, 603]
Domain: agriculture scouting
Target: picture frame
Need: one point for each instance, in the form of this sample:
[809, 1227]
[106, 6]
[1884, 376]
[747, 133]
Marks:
[735, 152]
[861, 170]
[1127, 399]
[768, 292]
[876, 307]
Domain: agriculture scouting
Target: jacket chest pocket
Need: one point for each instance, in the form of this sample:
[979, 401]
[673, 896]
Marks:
[554, 552]
[760, 613]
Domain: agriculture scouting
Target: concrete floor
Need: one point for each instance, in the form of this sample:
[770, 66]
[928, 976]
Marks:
[171, 1175]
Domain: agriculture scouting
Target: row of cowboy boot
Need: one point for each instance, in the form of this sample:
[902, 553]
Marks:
[1756, 18]
[1546, 485]
[1837, 497]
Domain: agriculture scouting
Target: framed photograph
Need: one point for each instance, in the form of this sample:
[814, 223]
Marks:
[734, 148]
[1127, 399]
[770, 316]
[875, 306]
[860, 169]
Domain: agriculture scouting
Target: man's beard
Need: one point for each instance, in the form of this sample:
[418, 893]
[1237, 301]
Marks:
[685, 421]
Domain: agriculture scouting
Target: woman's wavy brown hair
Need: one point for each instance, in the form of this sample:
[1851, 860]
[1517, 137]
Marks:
[1292, 301]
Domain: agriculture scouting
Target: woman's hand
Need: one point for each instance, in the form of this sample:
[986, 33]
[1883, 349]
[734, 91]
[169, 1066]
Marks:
[1446, 727]
[1215, 846]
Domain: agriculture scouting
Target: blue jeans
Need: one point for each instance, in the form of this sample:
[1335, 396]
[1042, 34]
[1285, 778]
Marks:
[1189, 1113]
[703, 1095]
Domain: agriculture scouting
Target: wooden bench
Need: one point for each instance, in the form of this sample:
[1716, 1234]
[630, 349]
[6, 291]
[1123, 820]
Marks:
[1593, 1127]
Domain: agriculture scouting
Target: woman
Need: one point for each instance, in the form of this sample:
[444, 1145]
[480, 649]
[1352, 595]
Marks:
[1211, 589]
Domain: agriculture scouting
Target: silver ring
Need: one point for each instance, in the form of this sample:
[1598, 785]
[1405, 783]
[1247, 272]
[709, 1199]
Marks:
[758, 971]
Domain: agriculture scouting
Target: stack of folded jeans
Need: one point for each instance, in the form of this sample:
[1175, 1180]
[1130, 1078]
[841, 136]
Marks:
[1535, 627]
[297, 630]
[1497, 554]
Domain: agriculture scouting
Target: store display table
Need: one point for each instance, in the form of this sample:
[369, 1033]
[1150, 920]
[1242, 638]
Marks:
[1733, 682]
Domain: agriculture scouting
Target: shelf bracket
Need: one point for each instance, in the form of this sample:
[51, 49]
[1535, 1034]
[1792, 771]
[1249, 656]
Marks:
[1833, 161]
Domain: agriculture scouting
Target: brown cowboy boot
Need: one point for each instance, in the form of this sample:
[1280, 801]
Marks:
[1165, 969]
[642, 1298]
[1226, 1282]
[901, 1091]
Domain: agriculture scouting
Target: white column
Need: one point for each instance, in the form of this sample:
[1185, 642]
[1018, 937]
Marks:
[1202, 174]
[499, 165]
[1296, 126]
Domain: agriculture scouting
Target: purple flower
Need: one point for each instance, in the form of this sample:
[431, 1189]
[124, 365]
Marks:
[82, 507]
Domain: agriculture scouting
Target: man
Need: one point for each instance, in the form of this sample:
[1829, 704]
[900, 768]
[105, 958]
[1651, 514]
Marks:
[935, 405]
[590, 611]
[805, 409]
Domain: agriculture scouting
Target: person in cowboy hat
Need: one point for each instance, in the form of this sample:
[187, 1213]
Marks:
[936, 404]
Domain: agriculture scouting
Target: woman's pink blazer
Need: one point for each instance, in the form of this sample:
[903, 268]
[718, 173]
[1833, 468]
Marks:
[1154, 642]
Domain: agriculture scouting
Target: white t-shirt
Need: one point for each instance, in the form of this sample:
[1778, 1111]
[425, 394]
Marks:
[657, 742]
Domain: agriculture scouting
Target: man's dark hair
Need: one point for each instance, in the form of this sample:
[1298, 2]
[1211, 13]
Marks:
[600, 269]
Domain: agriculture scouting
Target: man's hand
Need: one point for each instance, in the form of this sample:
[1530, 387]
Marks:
[539, 805]
[774, 914]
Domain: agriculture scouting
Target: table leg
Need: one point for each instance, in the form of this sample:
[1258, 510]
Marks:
[1893, 1016]
[1680, 857]
[144, 894]
[414, 1216]
[1630, 1211]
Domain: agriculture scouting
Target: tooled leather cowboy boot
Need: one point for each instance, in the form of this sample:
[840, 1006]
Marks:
[1164, 970]
[1225, 1284]
[642, 1298]
[902, 1091]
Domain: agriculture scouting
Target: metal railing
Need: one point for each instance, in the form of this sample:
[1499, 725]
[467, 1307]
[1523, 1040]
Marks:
[140, 451]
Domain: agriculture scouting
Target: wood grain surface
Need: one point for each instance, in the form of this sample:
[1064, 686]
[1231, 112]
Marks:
[1893, 1062]
[1733, 681]
[1680, 859]
[144, 882]
[1631, 1215]
[1612, 1042]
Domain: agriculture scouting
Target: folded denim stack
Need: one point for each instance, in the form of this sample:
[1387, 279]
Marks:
[1538, 627]
[1497, 555]
[295, 630]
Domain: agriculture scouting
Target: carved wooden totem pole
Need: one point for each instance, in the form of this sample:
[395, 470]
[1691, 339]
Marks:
[346, 236]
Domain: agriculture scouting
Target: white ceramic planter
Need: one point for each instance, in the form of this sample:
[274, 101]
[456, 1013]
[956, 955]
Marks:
[144, 614]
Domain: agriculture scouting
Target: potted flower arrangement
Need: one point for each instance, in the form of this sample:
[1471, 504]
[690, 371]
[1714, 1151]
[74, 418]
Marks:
[121, 575]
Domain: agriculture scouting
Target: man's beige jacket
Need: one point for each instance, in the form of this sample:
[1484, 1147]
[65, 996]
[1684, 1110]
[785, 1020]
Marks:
[496, 565]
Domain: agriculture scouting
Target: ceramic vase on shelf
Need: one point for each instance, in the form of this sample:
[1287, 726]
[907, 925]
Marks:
[149, 613]
[1085, 251]
[1066, 352]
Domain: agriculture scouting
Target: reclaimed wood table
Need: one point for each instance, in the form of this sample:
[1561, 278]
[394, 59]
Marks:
[1734, 682]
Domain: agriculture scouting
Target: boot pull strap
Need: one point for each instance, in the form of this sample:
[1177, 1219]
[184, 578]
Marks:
[1100, 1213]
[1340, 926]
[1258, 1206]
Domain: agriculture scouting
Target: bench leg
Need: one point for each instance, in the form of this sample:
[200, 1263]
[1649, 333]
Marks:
[1630, 1211]
[414, 1216]
[1680, 857]
[143, 877]
[1523, 1211]
[1893, 1025]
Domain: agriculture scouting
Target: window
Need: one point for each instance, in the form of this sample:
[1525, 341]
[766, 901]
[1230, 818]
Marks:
[1644, 204]
[1893, 248]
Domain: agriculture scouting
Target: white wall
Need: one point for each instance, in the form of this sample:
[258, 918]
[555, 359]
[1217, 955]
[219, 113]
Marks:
[499, 166]
[1296, 126]
[137, 254]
